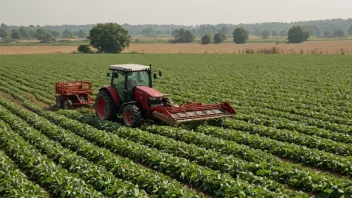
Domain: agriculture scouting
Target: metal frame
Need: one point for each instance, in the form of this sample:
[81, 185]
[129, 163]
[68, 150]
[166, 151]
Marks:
[74, 90]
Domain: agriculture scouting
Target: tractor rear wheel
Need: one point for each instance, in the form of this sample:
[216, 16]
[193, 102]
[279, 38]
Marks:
[59, 101]
[132, 116]
[68, 104]
[104, 106]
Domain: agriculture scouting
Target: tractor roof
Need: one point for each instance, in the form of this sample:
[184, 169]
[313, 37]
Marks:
[133, 67]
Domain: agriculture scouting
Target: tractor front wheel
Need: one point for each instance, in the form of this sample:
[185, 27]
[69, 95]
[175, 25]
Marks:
[104, 106]
[132, 116]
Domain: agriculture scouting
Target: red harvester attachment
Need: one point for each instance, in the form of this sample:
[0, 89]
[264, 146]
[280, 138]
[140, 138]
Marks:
[73, 94]
[191, 112]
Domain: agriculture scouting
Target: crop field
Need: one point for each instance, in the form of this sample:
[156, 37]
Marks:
[343, 47]
[291, 137]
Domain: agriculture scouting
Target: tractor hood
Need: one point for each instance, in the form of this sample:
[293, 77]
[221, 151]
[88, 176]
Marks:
[148, 91]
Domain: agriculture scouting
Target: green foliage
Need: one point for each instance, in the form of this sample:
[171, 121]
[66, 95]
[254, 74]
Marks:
[219, 38]
[183, 36]
[206, 39]
[55, 33]
[67, 33]
[3, 33]
[109, 38]
[265, 34]
[328, 34]
[44, 35]
[15, 34]
[350, 30]
[297, 34]
[283, 33]
[84, 49]
[285, 138]
[340, 33]
[240, 35]
[148, 32]
[274, 33]
[224, 30]
[24, 32]
[206, 30]
[81, 34]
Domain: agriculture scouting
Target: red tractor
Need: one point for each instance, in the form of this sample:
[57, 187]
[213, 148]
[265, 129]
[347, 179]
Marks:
[131, 94]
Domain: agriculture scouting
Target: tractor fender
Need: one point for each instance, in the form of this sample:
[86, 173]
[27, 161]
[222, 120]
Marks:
[113, 93]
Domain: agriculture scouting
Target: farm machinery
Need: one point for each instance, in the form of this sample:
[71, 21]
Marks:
[131, 94]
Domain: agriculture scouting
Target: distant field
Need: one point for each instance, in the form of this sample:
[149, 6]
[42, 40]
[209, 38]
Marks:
[310, 47]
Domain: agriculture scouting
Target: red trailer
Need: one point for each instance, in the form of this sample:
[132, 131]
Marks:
[71, 94]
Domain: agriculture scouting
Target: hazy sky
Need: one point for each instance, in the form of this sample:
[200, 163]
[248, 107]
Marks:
[187, 12]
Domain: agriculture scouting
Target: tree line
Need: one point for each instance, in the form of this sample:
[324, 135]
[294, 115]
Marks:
[36, 32]
[320, 28]
[113, 38]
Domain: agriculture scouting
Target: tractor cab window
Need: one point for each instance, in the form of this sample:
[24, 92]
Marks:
[138, 78]
[118, 81]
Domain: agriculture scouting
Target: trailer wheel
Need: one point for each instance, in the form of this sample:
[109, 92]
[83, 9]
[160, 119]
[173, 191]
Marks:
[104, 106]
[59, 102]
[132, 116]
[68, 104]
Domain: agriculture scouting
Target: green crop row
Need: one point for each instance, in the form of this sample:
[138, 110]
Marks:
[204, 178]
[270, 167]
[324, 129]
[309, 141]
[237, 168]
[286, 150]
[97, 176]
[53, 178]
[152, 182]
[14, 183]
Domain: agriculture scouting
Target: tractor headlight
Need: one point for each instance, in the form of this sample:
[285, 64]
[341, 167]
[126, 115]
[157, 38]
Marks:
[154, 99]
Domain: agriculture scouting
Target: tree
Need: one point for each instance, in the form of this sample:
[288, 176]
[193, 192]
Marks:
[265, 34]
[24, 32]
[327, 34]
[206, 39]
[219, 38]
[3, 33]
[67, 33]
[316, 30]
[85, 49]
[350, 30]
[340, 33]
[81, 34]
[283, 33]
[3, 25]
[183, 36]
[240, 35]
[297, 34]
[55, 33]
[148, 32]
[109, 37]
[206, 29]
[44, 35]
[15, 34]
[274, 33]
[33, 33]
[224, 30]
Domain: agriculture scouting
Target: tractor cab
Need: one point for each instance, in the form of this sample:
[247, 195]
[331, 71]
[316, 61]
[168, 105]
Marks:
[126, 77]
